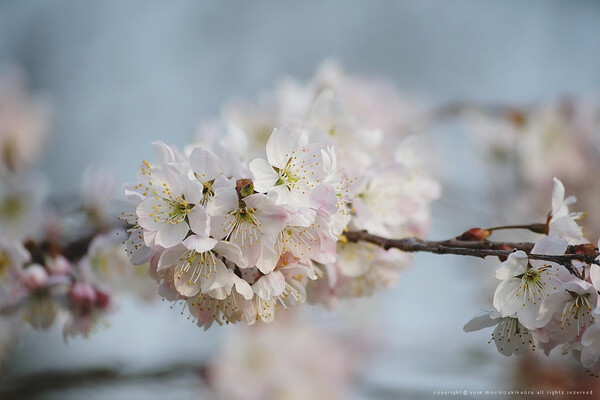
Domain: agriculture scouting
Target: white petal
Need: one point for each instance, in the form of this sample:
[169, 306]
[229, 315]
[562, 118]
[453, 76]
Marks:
[516, 264]
[205, 164]
[243, 288]
[480, 321]
[171, 257]
[550, 245]
[269, 285]
[232, 252]
[595, 275]
[199, 221]
[265, 176]
[280, 146]
[558, 197]
[199, 244]
[170, 235]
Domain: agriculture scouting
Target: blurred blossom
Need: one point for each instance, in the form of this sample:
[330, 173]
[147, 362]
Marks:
[23, 125]
[290, 359]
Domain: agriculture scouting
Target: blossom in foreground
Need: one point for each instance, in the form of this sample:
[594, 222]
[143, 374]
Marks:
[280, 187]
[509, 336]
[526, 283]
[566, 314]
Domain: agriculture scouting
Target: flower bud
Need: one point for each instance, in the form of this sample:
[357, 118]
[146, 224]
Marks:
[475, 235]
[58, 265]
[83, 295]
[503, 247]
[34, 277]
[102, 299]
[585, 248]
[244, 187]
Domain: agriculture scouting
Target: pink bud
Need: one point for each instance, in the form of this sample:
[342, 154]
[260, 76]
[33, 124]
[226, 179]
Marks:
[102, 299]
[83, 294]
[34, 277]
[58, 265]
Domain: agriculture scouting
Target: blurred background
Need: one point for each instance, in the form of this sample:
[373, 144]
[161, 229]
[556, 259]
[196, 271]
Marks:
[120, 74]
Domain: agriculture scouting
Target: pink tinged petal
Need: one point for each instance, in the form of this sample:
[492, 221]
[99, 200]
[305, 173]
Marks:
[218, 278]
[191, 189]
[505, 295]
[480, 321]
[224, 200]
[270, 285]
[558, 196]
[170, 235]
[566, 227]
[552, 304]
[516, 264]
[280, 146]
[171, 257]
[591, 335]
[231, 252]
[199, 244]
[265, 176]
[550, 245]
[528, 315]
[243, 287]
[146, 214]
[199, 220]
[205, 164]
[164, 153]
[267, 261]
[595, 275]
[323, 198]
[175, 178]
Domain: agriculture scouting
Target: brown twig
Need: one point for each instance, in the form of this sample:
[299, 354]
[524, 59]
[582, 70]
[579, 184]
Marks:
[481, 249]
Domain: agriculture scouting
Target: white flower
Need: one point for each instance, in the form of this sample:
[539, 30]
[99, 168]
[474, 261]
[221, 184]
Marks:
[34, 277]
[97, 189]
[172, 208]
[251, 223]
[285, 286]
[590, 342]
[393, 202]
[526, 283]
[510, 336]
[292, 169]
[228, 304]
[216, 188]
[567, 313]
[562, 222]
[23, 126]
[21, 207]
[12, 256]
[198, 265]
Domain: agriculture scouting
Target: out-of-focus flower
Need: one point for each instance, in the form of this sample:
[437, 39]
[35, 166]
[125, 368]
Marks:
[23, 126]
[290, 359]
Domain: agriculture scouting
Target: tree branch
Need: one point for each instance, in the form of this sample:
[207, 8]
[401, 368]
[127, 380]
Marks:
[481, 249]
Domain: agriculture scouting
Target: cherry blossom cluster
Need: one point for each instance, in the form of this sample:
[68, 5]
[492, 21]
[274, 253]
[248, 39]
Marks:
[542, 304]
[250, 218]
[60, 261]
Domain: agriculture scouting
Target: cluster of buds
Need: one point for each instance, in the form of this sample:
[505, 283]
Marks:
[57, 261]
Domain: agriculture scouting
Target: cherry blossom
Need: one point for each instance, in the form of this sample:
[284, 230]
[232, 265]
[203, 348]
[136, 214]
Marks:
[509, 336]
[526, 283]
